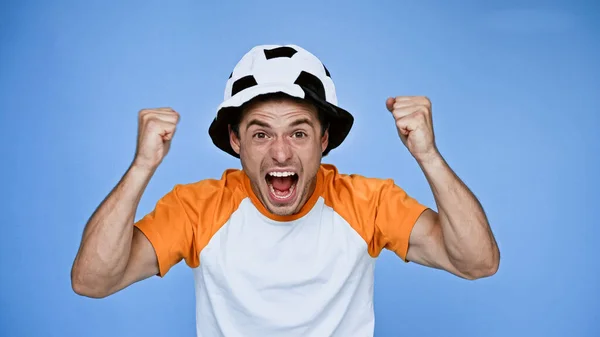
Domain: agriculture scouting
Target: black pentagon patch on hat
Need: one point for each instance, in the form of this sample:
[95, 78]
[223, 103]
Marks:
[243, 83]
[311, 82]
[327, 71]
[280, 52]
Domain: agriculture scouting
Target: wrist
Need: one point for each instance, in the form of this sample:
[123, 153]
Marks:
[431, 158]
[141, 170]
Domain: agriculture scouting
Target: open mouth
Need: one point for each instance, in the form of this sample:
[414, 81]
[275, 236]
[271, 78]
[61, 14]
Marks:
[282, 185]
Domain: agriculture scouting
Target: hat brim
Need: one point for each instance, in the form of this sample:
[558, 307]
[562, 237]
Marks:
[340, 121]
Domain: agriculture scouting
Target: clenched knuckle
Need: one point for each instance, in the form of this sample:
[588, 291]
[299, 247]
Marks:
[152, 123]
[147, 114]
[427, 101]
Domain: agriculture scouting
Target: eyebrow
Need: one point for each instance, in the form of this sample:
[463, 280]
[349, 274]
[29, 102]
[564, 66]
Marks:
[302, 121]
[257, 123]
[265, 125]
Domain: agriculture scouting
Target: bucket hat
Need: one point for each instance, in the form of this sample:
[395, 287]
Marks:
[288, 69]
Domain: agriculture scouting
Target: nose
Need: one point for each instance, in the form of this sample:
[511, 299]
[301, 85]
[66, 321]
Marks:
[281, 150]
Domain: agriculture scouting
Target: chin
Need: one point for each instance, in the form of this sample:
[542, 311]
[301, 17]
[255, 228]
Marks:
[282, 210]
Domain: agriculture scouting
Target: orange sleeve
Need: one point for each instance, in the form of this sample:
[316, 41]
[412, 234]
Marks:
[185, 219]
[170, 228]
[381, 212]
[396, 215]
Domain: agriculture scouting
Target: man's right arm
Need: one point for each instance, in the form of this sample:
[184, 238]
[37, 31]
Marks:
[113, 253]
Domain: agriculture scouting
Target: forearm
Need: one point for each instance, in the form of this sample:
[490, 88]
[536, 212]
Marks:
[467, 237]
[106, 242]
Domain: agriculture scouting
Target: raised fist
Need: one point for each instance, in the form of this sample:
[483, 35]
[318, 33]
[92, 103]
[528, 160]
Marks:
[412, 115]
[156, 128]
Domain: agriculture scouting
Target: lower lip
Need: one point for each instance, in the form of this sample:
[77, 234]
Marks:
[285, 199]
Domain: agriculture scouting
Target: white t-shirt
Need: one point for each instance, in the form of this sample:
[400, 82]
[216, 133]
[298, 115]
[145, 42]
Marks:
[258, 274]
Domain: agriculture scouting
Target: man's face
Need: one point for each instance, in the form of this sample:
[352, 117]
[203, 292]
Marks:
[280, 146]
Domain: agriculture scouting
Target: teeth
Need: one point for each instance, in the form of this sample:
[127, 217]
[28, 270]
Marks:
[281, 174]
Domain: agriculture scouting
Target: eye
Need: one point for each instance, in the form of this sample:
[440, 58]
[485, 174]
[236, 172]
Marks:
[260, 135]
[299, 134]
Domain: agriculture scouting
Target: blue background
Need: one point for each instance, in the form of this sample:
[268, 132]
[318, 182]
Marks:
[515, 90]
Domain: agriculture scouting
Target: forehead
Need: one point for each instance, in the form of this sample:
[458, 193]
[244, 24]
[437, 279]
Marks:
[278, 107]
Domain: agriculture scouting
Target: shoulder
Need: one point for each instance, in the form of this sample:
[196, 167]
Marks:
[213, 195]
[345, 187]
[357, 200]
[355, 197]
[363, 198]
[230, 182]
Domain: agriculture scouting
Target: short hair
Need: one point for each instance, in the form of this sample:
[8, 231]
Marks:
[276, 97]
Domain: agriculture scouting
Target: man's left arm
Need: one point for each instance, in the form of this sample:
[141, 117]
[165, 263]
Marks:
[458, 237]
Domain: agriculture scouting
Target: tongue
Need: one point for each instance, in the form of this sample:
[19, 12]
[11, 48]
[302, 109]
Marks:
[282, 183]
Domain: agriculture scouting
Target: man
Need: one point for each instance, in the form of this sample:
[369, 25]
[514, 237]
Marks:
[287, 245]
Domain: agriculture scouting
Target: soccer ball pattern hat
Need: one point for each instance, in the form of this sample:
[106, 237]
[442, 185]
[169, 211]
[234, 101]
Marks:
[287, 69]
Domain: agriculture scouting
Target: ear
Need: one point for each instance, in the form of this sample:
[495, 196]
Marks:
[325, 140]
[234, 141]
